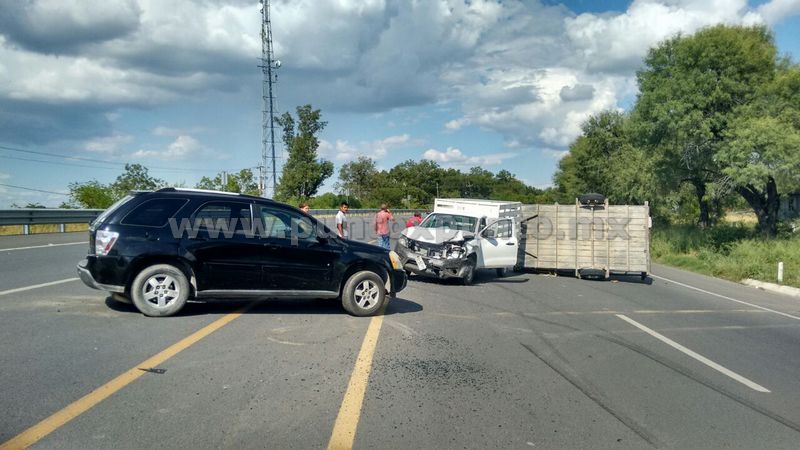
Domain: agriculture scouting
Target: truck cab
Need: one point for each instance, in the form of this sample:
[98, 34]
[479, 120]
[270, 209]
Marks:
[461, 236]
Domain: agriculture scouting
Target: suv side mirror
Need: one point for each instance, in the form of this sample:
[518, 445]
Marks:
[488, 233]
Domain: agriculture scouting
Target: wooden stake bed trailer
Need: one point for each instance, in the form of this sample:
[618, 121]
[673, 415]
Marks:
[593, 240]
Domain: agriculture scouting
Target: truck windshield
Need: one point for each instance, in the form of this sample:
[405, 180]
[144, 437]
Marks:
[452, 221]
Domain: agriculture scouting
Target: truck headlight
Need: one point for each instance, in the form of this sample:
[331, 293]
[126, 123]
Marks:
[402, 240]
[395, 259]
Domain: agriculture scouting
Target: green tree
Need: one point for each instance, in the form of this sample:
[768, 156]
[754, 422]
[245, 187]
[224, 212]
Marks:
[329, 200]
[763, 146]
[93, 195]
[135, 178]
[419, 179]
[603, 160]
[358, 178]
[243, 182]
[689, 90]
[303, 173]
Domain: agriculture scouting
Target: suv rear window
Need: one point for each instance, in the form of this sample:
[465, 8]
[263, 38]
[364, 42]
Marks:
[154, 213]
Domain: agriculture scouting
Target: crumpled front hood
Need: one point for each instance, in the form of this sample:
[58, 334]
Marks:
[436, 235]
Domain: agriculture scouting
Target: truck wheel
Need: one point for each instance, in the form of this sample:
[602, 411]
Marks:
[160, 290]
[364, 294]
[469, 273]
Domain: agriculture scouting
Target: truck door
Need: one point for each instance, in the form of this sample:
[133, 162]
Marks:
[498, 245]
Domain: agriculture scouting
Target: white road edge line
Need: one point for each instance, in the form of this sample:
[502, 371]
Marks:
[42, 246]
[36, 286]
[752, 385]
[726, 297]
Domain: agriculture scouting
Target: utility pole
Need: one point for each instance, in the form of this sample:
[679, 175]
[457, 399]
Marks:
[269, 67]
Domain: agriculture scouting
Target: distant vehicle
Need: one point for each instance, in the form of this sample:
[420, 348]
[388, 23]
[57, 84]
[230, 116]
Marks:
[462, 236]
[590, 238]
[160, 249]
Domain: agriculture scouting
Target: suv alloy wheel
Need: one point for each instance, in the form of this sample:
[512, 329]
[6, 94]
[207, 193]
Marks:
[160, 290]
[363, 294]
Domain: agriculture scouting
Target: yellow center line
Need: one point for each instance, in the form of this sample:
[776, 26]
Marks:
[87, 402]
[344, 430]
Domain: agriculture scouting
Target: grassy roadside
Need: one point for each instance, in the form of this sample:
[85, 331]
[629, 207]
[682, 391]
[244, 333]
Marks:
[11, 230]
[730, 251]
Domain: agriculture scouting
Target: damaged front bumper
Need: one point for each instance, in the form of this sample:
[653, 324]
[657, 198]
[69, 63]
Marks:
[432, 266]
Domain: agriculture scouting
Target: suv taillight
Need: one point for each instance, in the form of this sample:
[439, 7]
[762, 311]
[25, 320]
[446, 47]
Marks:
[103, 241]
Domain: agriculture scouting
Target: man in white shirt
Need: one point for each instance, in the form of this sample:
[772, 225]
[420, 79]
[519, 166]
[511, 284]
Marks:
[342, 225]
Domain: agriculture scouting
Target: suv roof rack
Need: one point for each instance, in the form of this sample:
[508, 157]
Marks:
[204, 191]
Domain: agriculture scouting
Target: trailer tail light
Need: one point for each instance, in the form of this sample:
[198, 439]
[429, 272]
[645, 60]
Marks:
[103, 241]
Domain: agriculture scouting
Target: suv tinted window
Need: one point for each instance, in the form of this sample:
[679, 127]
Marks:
[223, 216]
[154, 213]
[279, 223]
[104, 215]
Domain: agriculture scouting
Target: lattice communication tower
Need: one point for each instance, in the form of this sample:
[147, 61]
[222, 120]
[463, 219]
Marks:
[268, 170]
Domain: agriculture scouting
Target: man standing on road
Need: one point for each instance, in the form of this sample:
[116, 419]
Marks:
[415, 220]
[382, 220]
[342, 222]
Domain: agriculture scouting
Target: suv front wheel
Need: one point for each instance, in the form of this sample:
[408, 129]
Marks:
[160, 290]
[363, 294]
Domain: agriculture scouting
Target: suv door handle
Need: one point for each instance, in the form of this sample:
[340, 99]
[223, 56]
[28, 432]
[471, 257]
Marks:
[510, 243]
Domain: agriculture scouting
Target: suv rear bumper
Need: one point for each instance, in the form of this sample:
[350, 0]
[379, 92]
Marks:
[86, 276]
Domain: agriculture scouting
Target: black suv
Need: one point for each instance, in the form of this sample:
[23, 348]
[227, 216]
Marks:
[160, 249]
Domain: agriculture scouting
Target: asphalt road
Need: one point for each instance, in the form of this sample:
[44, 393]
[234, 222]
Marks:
[526, 361]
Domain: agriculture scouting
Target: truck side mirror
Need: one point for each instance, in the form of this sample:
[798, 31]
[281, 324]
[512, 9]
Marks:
[489, 233]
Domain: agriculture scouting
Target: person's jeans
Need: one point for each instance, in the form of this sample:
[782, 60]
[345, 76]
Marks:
[383, 241]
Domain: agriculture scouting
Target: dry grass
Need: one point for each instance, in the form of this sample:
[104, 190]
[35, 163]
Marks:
[10, 230]
[733, 252]
[72, 227]
[13, 230]
[743, 217]
[45, 228]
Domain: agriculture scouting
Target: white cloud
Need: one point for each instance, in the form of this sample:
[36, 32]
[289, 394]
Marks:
[184, 147]
[108, 144]
[617, 43]
[528, 70]
[456, 124]
[4, 176]
[174, 132]
[456, 158]
[554, 154]
[777, 10]
[343, 150]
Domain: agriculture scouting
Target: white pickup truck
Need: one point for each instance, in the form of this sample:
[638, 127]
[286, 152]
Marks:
[461, 236]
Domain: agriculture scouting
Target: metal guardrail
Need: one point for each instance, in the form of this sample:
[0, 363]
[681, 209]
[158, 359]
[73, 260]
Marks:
[42, 216]
[36, 216]
[363, 212]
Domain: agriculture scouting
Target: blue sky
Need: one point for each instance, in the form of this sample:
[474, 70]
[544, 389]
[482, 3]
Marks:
[174, 84]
